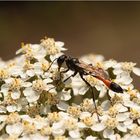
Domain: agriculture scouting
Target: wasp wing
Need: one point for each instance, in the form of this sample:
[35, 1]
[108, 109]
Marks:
[94, 71]
[99, 72]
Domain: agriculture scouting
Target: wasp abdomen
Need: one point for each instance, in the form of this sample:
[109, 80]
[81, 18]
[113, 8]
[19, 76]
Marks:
[115, 87]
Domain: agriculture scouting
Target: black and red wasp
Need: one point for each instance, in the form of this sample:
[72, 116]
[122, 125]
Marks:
[79, 67]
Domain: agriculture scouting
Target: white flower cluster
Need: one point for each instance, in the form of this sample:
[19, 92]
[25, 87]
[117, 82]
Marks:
[35, 103]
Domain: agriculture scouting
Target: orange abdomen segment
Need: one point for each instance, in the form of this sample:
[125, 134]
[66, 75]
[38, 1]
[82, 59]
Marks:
[111, 85]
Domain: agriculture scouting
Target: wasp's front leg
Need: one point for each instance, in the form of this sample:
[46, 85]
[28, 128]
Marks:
[70, 76]
[64, 71]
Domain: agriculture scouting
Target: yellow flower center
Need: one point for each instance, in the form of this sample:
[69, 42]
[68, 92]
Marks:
[128, 66]
[45, 66]
[132, 93]
[53, 117]
[3, 74]
[49, 44]
[38, 85]
[87, 105]
[74, 111]
[60, 138]
[9, 100]
[27, 65]
[13, 118]
[134, 114]
[16, 84]
[27, 51]
[117, 99]
[112, 111]
[29, 128]
[111, 123]
[47, 130]
[88, 121]
[71, 124]
[136, 131]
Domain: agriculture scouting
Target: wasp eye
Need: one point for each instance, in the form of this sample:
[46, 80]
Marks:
[61, 60]
[75, 60]
[116, 88]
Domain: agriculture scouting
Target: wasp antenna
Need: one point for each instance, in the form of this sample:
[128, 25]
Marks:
[51, 63]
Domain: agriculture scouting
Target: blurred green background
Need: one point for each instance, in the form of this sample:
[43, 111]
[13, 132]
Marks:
[108, 28]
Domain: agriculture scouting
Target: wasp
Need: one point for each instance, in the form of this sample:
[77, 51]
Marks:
[80, 67]
[83, 69]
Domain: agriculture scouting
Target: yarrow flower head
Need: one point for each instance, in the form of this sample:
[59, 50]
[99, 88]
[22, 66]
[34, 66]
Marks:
[42, 99]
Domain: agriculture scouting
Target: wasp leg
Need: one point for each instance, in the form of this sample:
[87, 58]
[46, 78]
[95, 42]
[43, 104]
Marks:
[51, 64]
[64, 71]
[70, 76]
[93, 95]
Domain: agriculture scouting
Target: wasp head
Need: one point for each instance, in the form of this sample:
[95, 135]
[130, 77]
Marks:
[61, 60]
[116, 88]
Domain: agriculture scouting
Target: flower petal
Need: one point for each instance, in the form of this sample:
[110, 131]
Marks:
[136, 71]
[122, 116]
[122, 127]
[14, 129]
[74, 133]
[62, 105]
[108, 133]
[98, 127]
[91, 138]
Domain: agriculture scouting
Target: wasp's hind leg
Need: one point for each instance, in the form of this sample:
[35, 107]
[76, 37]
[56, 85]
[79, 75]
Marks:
[93, 95]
